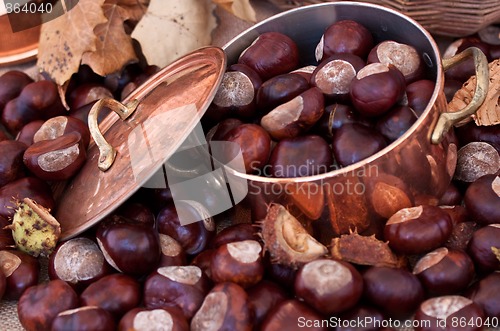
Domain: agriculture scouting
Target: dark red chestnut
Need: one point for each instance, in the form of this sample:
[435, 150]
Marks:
[305, 71]
[263, 297]
[11, 84]
[451, 197]
[39, 305]
[84, 318]
[376, 88]
[61, 125]
[345, 36]
[471, 132]
[360, 318]
[139, 319]
[218, 131]
[21, 271]
[444, 271]
[486, 294]
[138, 255]
[418, 229]
[203, 261]
[235, 232]
[396, 122]
[396, 292]
[329, 286]
[293, 314]
[115, 293]
[182, 287]
[354, 142]
[79, 262]
[138, 212]
[238, 262]
[301, 156]
[280, 89]
[482, 199]
[271, 54]
[465, 69]
[11, 161]
[87, 93]
[28, 131]
[224, 308]
[452, 312]
[484, 248]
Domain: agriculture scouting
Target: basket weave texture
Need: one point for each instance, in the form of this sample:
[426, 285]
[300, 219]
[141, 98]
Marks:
[447, 18]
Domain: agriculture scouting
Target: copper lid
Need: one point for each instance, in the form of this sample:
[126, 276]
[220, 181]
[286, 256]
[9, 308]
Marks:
[170, 105]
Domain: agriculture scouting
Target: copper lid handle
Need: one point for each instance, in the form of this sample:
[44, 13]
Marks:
[107, 153]
[447, 120]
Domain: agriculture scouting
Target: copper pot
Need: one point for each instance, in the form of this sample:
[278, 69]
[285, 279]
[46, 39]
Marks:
[415, 169]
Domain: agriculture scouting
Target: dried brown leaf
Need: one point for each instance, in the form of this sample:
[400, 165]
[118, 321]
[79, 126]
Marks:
[172, 28]
[239, 8]
[64, 40]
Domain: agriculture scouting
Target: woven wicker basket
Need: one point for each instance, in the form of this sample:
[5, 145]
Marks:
[447, 18]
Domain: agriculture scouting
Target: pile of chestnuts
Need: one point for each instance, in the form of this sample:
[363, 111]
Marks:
[140, 269]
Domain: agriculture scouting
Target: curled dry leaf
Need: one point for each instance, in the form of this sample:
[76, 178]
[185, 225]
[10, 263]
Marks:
[172, 28]
[489, 112]
[239, 8]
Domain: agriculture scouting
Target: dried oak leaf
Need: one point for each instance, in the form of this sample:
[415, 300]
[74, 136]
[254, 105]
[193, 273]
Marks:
[239, 8]
[365, 250]
[64, 40]
[114, 48]
[172, 28]
[489, 112]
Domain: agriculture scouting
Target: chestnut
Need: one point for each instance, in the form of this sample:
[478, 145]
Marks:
[143, 319]
[172, 253]
[471, 132]
[115, 293]
[253, 142]
[350, 320]
[482, 199]
[87, 93]
[280, 273]
[271, 54]
[452, 196]
[11, 161]
[451, 312]
[280, 89]
[376, 88]
[484, 246]
[39, 305]
[224, 308]
[203, 260]
[3, 284]
[396, 122]
[451, 86]
[82, 319]
[296, 116]
[21, 271]
[416, 230]
[476, 159]
[138, 255]
[345, 36]
[305, 71]
[57, 159]
[26, 134]
[6, 239]
[218, 131]
[293, 314]
[301, 156]
[193, 237]
[444, 271]
[403, 56]
[486, 294]
[61, 125]
[461, 235]
[138, 212]
[465, 69]
[353, 142]
[238, 262]
[79, 262]
[263, 297]
[235, 232]
[396, 292]
[329, 286]
[182, 287]
[12, 83]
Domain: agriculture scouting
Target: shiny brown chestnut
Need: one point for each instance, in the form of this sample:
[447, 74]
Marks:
[224, 308]
[172, 253]
[486, 294]
[419, 94]
[235, 232]
[300, 156]
[376, 88]
[137, 211]
[181, 287]
[21, 271]
[329, 286]
[396, 122]
[271, 54]
[482, 199]
[296, 116]
[396, 292]
[219, 130]
[293, 314]
[61, 125]
[57, 159]
[444, 271]
[416, 230]
[263, 297]
[254, 143]
[238, 262]
[484, 247]
[403, 56]
[83, 318]
[39, 305]
[11, 161]
[87, 93]
[143, 319]
[465, 69]
[453, 311]
[451, 197]
[11, 84]
[280, 89]
[138, 255]
[350, 320]
[353, 142]
[345, 36]
[115, 293]
[305, 71]
[203, 260]
[25, 135]
[79, 262]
